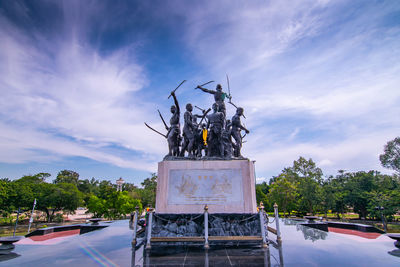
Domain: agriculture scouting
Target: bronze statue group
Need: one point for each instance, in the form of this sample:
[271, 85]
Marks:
[217, 136]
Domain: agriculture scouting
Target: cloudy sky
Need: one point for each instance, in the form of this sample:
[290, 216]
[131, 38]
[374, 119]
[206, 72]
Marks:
[319, 79]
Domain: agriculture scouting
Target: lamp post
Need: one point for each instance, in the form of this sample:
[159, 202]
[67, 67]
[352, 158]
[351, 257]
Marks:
[380, 208]
[16, 221]
[120, 182]
[31, 218]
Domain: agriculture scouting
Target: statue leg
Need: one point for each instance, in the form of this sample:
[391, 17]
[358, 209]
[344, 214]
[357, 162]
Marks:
[210, 142]
[190, 145]
[220, 143]
[176, 137]
[221, 147]
[184, 146]
[176, 147]
[199, 150]
[170, 145]
[236, 136]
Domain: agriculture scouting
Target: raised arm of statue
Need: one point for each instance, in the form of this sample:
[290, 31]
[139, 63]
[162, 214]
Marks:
[206, 90]
[178, 110]
[244, 129]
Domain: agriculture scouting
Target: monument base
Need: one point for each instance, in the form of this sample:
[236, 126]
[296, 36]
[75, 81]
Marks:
[225, 186]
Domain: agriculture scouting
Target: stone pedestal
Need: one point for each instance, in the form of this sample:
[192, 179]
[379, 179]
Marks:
[226, 186]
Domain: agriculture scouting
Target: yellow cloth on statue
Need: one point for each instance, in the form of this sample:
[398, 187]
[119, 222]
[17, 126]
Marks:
[205, 136]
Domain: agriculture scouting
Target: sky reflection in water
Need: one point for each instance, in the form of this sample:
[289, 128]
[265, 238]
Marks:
[301, 245]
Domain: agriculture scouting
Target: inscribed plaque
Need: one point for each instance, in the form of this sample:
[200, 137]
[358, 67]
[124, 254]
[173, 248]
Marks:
[221, 186]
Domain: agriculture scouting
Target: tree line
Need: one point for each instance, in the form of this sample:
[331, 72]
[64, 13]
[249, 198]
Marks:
[302, 189]
[67, 192]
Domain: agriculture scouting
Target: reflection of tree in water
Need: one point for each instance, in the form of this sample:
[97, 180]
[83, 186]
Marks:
[311, 233]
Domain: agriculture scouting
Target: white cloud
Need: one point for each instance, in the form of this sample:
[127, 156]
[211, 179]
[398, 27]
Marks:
[259, 180]
[62, 86]
[352, 154]
[248, 34]
[331, 64]
[323, 62]
[294, 133]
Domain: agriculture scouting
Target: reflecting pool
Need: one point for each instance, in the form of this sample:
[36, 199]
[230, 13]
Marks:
[301, 246]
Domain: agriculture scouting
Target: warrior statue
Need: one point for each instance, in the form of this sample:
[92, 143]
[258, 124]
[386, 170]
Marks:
[219, 96]
[236, 128]
[227, 139]
[201, 140]
[215, 124]
[188, 132]
[173, 135]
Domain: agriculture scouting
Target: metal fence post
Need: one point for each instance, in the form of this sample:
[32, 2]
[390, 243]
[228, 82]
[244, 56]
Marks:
[16, 221]
[278, 231]
[135, 221]
[206, 261]
[31, 218]
[149, 224]
[262, 225]
[206, 245]
[280, 254]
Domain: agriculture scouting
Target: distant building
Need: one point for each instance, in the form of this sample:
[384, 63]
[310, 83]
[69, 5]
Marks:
[120, 182]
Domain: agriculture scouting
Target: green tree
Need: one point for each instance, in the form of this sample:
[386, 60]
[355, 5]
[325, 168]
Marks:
[306, 168]
[148, 192]
[21, 195]
[261, 196]
[5, 188]
[57, 197]
[385, 193]
[389, 200]
[106, 188]
[34, 179]
[119, 204]
[391, 156]
[130, 187]
[127, 204]
[88, 186]
[338, 184]
[111, 203]
[308, 179]
[358, 187]
[97, 206]
[284, 193]
[67, 176]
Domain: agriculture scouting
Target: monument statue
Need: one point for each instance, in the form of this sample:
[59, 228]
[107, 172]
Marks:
[227, 140]
[189, 130]
[236, 128]
[219, 96]
[215, 124]
[214, 134]
[173, 135]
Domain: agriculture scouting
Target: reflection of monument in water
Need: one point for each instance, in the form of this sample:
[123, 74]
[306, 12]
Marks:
[311, 233]
[205, 187]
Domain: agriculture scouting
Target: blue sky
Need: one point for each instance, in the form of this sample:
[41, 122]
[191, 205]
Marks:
[317, 79]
